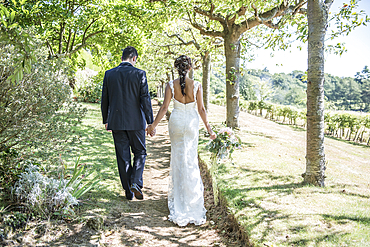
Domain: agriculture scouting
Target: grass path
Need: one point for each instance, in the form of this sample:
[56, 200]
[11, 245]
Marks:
[132, 223]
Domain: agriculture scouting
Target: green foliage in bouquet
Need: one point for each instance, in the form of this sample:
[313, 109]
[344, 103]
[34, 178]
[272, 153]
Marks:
[225, 144]
[221, 147]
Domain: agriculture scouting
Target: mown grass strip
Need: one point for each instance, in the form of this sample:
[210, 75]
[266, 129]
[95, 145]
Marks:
[264, 191]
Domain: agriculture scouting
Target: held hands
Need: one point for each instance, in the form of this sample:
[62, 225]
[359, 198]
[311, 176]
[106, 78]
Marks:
[150, 130]
[106, 127]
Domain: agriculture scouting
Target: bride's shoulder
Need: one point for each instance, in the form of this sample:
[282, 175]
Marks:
[169, 85]
[197, 84]
[173, 82]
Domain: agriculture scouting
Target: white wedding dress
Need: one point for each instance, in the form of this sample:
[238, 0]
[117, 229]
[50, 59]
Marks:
[185, 192]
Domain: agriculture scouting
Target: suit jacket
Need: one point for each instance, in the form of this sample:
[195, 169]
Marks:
[125, 101]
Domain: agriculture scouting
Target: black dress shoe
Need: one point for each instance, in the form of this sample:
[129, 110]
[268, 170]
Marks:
[137, 191]
[129, 195]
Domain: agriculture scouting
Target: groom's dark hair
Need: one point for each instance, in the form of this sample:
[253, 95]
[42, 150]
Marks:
[129, 52]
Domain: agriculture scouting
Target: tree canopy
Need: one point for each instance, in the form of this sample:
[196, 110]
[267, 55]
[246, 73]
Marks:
[100, 26]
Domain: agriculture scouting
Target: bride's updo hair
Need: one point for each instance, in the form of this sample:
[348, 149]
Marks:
[183, 65]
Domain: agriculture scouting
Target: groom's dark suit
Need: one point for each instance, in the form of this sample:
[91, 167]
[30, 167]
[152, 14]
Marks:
[127, 108]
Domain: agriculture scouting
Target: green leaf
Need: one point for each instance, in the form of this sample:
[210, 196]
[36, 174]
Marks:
[12, 15]
[76, 173]
[87, 187]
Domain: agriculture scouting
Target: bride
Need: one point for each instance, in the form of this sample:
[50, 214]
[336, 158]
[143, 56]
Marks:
[185, 192]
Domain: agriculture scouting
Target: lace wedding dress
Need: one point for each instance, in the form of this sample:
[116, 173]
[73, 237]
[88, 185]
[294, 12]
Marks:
[185, 193]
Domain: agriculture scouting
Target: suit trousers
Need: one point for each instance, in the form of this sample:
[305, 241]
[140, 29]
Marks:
[123, 141]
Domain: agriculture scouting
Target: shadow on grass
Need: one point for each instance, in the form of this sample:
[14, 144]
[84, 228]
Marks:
[270, 175]
[345, 218]
[345, 193]
[265, 220]
[297, 128]
[96, 149]
[248, 144]
[259, 134]
[331, 237]
[251, 203]
[239, 196]
[363, 145]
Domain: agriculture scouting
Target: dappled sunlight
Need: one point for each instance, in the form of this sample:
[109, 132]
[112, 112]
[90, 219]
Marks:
[128, 223]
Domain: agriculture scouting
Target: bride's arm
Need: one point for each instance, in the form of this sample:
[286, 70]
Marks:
[163, 110]
[203, 113]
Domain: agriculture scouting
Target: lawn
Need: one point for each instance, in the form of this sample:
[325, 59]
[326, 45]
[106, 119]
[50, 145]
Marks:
[264, 190]
[96, 150]
[263, 187]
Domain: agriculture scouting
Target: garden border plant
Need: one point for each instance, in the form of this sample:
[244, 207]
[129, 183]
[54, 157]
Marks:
[52, 197]
[37, 113]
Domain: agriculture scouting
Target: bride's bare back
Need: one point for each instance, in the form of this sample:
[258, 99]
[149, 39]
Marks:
[189, 91]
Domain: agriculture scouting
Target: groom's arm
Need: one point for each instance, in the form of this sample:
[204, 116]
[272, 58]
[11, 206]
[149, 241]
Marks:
[145, 101]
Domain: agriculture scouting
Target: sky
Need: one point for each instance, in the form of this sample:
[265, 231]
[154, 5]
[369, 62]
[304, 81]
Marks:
[354, 60]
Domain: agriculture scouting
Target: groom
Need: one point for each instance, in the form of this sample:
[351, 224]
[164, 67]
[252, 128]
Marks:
[126, 109]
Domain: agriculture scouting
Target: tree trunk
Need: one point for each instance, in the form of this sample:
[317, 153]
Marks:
[61, 32]
[315, 156]
[206, 78]
[232, 54]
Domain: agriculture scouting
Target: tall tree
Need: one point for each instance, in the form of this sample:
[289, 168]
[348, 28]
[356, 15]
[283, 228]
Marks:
[317, 15]
[346, 20]
[229, 20]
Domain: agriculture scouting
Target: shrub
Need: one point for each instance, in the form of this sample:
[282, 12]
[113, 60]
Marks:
[292, 114]
[43, 195]
[261, 106]
[48, 196]
[253, 106]
[9, 169]
[271, 111]
[243, 104]
[37, 113]
[219, 99]
[89, 86]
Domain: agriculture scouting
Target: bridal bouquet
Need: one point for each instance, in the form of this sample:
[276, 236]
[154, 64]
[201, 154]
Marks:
[225, 143]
